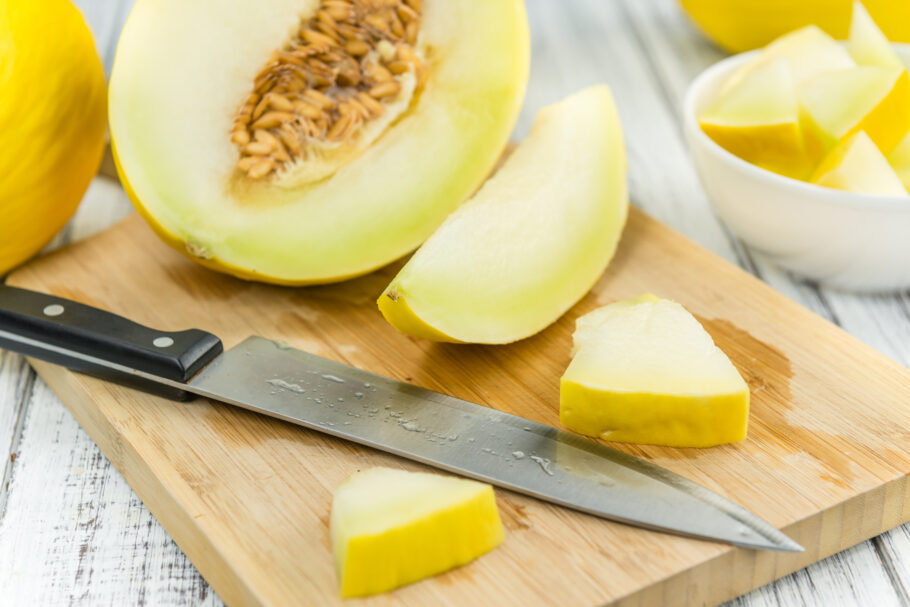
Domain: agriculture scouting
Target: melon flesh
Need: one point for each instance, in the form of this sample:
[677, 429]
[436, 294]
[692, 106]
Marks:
[182, 70]
[390, 527]
[857, 165]
[808, 52]
[757, 119]
[900, 160]
[531, 242]
[838, 104]
[646, 371]
[867, 44]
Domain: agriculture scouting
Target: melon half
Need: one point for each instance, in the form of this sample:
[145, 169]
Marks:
[299, 141]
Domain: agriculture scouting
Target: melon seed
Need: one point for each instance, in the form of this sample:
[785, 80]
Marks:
[330, 79]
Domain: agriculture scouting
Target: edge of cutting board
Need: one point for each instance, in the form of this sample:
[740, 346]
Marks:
[718, 574]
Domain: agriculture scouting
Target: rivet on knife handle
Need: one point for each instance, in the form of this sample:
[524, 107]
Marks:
[28, 318]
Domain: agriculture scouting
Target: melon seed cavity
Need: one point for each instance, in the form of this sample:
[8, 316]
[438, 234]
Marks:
[350, 70]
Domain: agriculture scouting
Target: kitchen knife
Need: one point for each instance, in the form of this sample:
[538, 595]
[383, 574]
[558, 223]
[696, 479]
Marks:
[271, 378]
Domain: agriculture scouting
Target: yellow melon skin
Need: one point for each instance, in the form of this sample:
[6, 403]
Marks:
[52, 120]
[390, 528]
[654, 419]
[743, 25]
[171, 120]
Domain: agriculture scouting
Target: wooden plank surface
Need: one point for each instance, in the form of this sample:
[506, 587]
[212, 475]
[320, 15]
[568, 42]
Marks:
[877, 572]
[247, 498]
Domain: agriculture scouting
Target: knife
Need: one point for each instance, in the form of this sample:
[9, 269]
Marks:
[271, 378]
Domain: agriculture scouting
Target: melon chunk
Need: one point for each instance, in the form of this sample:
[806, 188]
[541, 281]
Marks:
[307, 141]
[867, 44]
[390, 528]
[531, 242]
[808, 52]
[857, 165]
[757, 119]
[646, 371]
[838, 104]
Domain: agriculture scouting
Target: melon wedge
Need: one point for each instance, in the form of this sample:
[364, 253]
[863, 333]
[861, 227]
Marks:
[857, 165]
[646, 371]
[867, 44]
[531, 242]
[838, 104]
[585, 325]
[810, 52]
[359, 191]
[390, 528]
[757, 119]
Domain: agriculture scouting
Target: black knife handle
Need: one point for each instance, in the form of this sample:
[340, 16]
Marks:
[83, 330]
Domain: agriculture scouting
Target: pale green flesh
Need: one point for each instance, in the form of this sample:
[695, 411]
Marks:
[653, 347]
[838, 100]
[764, 96]
[535, 238]
[867, 44]
[172, 134]
[861, 167]
[808, 52]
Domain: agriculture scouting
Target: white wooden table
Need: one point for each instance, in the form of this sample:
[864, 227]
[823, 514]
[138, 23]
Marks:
[73, 532]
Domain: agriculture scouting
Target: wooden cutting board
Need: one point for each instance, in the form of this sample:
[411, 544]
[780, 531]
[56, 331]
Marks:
[248, 498]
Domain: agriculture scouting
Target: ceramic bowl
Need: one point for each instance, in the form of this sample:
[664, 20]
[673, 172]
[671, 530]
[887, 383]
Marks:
[858, 242]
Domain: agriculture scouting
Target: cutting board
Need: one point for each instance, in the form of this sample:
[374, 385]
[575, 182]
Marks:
[248, 498]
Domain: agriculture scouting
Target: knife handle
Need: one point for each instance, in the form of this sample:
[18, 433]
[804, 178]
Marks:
[68, 333]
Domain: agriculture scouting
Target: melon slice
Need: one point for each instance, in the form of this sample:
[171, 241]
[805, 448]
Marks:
[757, 119]
[585, 325]
[307, 141]
[390, 528]
[867, 44]
[838, 104]
[900, 160]
[531, 242]
[646, 371]
[808, 51]
[857, 165]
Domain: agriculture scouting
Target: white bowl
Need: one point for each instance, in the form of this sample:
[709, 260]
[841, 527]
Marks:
[850, 241]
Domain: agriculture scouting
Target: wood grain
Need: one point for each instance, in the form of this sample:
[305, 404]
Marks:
[664, 52]
[247, 497]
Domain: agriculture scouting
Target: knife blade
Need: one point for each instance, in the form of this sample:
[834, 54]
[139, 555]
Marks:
[271, 378]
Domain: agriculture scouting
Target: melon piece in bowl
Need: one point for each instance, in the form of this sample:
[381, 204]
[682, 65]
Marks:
[857, 165]
[646, 371]
[757, 119]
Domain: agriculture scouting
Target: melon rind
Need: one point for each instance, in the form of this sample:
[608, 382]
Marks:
[183, 68]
